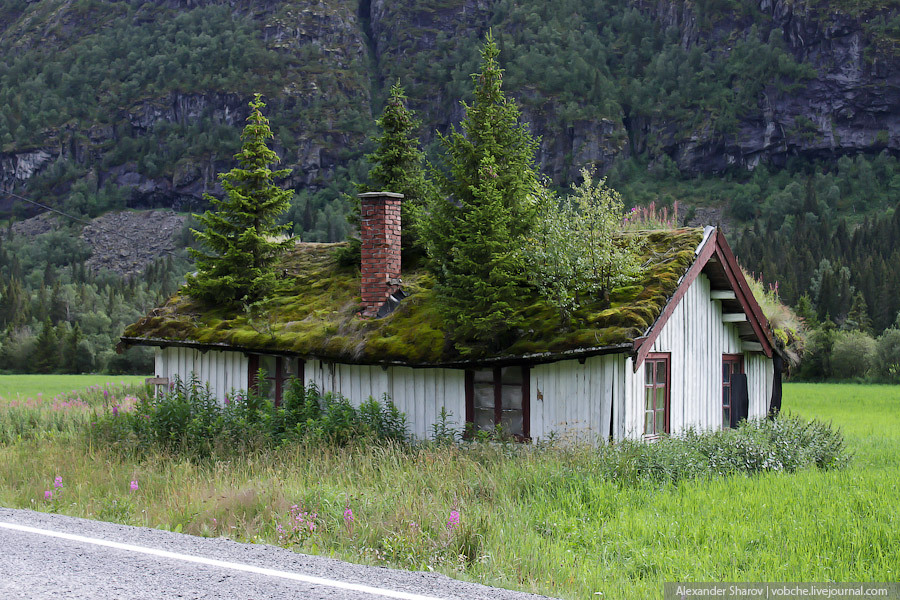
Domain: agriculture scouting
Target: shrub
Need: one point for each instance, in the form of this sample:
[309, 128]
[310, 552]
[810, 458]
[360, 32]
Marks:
[786, 443]
[190, 419]
[852, 354]
[887, 357]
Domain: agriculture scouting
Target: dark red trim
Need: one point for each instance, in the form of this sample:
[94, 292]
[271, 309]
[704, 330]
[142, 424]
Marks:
[715, 246]
[253, 372]
[279, 380]
[744, 294]
[738, 361]
[693, 272]
[526, 402]
[301, 371]
[470, 397]
[666, 357]
[497, 374]
[498, 395]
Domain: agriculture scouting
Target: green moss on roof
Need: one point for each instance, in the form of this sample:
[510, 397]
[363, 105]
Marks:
[314, 313]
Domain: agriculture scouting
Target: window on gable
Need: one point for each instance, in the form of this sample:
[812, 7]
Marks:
[656, 394]
[732, 364]
[499, 396]
[277, 370]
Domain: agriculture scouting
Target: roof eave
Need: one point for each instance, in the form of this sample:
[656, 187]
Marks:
[511, 359]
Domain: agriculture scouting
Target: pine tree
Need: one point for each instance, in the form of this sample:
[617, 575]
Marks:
[239, 236]
[474, 230]
[397, 162]
[46, 351]
[858, 316]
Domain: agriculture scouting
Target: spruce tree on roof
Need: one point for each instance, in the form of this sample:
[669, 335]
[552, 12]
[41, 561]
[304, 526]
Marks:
[397, 162]
[239, 242]
[474, 230]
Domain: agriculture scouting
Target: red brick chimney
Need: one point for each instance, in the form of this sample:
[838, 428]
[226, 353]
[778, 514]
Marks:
[380, 234]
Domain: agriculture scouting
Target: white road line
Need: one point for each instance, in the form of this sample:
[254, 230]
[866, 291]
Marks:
[222, 563]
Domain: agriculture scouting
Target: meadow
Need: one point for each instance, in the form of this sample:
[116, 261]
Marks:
[548, 520]
[42, 405]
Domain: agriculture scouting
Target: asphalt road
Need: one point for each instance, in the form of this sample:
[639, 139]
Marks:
[44, 556]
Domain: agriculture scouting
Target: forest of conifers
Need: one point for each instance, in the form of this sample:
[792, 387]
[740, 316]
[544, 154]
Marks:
[129, 104]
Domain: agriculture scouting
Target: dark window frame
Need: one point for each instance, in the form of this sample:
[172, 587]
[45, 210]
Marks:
[733, 359]
[278, 379]
[498, 399]
[666, 359]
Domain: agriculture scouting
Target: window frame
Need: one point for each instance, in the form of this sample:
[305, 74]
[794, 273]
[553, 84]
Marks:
[733, 359]
[666, 359]
[497, 382]
[278, 379]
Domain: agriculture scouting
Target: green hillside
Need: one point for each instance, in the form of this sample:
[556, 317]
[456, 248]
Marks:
[778, 119]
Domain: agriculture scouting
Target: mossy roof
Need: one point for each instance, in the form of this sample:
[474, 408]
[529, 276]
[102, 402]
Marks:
[315, 314]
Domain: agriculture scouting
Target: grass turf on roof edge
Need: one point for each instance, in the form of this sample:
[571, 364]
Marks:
[314, 313]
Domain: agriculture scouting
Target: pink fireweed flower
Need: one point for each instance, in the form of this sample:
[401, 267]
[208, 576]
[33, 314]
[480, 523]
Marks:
[57, 483]
[453, 521]
[48, 495]
[348, 515]
[134, 485]
[115, 410]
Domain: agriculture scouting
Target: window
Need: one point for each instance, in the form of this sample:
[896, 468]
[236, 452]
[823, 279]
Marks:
[656, 394]
[278, 371]
[499, 396]
[732, 364]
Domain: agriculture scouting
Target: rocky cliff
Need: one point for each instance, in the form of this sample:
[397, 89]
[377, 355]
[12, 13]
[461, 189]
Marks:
[597, 81]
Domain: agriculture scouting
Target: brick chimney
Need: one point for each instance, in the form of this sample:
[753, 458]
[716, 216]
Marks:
[380, 234]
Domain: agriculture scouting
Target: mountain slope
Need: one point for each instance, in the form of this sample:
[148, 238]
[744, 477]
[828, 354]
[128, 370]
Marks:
[114, 104]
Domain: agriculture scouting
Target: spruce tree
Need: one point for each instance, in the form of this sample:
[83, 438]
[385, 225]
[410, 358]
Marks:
[474, 229]
[238, 238]
[397, 163]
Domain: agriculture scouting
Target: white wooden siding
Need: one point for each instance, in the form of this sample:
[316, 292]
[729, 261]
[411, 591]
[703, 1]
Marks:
[225, 371]
[599, 398]
[696, 338]
[420, 393]
[576, 401]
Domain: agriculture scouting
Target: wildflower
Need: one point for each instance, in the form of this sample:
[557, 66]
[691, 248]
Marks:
[348, 515]
[115, 410]
[48, 495]
[134, 485]
[453, 521]
[57, 483]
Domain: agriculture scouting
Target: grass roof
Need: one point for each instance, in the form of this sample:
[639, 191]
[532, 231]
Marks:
[315, 313]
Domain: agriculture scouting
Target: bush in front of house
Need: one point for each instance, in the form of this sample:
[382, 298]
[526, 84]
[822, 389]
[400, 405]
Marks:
[786, 443]
[190, 419]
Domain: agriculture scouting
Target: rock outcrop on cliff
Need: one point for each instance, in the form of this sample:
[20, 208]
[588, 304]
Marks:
[158, 141]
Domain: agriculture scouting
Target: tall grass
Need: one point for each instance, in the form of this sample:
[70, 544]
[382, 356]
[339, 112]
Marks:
[67, 412]
[552, 520]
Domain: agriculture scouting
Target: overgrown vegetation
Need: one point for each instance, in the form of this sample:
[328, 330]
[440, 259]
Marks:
[315, 313]
[56, 315]
[188, 419]
[641, 511]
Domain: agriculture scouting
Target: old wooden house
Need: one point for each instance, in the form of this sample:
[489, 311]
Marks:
[687, 346]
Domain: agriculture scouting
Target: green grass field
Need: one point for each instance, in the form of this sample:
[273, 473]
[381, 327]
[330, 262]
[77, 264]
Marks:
[539, 521]
[22, 387]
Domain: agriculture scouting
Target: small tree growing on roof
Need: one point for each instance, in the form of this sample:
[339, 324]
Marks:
[238, 238]
[397, 162]
[577, 252]
[474, 230]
